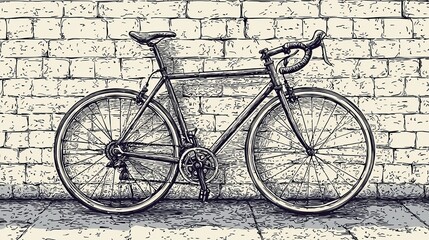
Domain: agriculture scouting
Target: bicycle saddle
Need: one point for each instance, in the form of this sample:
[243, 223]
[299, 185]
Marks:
[147, 37]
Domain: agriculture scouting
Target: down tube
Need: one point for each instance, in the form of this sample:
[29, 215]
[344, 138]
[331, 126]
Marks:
[232, 129]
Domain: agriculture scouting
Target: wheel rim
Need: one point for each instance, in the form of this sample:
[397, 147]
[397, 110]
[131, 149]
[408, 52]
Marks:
[319, 180]
[115, 184]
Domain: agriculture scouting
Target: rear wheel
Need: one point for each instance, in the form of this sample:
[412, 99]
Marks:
[324, 178]
[90, 167]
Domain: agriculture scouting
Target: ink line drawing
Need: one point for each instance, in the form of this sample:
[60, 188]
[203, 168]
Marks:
[214, 119]
[308, 150]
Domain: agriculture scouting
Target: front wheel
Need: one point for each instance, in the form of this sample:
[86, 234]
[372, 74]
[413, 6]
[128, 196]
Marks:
[327, 176]
[89, 165]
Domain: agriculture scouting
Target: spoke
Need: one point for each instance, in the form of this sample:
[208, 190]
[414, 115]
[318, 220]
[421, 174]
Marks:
[280, 142]
[81, 142]
[138, 185]
[317, 177]
[105, 125]
[90, 132]
[89, 142]
[104, 183]
[335, 129]
[92, 177]
[308, 179]
[88, 149]
[336, 138]
[283, 124]
[342, 145]
[291, 151]
[336, 168]
[152, 131]
[103, 178]
[318, 119]
[284, 169]
[293, 176]
[333, 185]
[332, 112]
[272, 156]
[87, 153]
[144, 179]
[287, 127]
[150, 143]
[120, 116]
[110, 117]
[284, 136]
[128, 116]
[101, 128]
[68, 164]
[140, 125]
[303, 119]
[87, 168]
[345, 134]
[312, 121]
[346, 155]
[267, 170]
[300, 186]
[113, 183]
[120, 193]
[131, 191]
[152, 170]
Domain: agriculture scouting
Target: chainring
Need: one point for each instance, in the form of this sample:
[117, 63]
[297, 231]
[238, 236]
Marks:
[198, 155]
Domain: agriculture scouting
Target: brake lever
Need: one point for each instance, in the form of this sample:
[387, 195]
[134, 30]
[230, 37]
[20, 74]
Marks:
[286, 58]
[325, 55]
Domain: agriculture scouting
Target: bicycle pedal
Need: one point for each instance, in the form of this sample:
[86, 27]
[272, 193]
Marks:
[204, 195]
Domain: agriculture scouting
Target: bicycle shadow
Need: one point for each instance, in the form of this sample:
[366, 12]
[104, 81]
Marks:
[213, 220]
[359, 219]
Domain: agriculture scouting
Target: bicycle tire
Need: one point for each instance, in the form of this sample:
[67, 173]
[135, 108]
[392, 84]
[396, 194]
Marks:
[69, 127]
[294, 200]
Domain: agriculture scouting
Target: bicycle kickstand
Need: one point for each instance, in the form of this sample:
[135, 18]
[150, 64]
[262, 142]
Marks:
[205, 191]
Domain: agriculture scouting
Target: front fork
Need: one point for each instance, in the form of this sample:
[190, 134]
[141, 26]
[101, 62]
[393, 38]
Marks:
[285, 94]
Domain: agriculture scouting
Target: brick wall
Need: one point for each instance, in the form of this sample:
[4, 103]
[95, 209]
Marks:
[52, 53]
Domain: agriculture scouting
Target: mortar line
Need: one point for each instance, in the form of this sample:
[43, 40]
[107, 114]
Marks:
[412, 213]
[35, 220]
[350, 233]
[254, 220]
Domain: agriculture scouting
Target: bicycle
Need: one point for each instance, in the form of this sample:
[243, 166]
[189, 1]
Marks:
[308, 150]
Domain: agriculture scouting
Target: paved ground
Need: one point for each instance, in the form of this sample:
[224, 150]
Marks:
[364, 219]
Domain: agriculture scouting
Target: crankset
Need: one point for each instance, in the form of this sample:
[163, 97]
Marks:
[195, 158]
[199, 166]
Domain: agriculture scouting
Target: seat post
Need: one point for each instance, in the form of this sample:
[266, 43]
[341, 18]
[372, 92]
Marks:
[158, 58]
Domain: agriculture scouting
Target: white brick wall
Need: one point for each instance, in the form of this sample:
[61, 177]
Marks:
[47, 28]
[19, 28]
[24, 48]
[206, 9]
[84, 28]
[54, 52]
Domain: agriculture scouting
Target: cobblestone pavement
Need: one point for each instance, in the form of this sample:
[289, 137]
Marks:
[185, 219]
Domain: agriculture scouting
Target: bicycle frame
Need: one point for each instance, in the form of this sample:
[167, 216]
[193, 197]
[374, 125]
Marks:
[166, 78]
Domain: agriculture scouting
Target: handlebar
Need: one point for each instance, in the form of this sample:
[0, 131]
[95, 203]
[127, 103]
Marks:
[307, 47]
